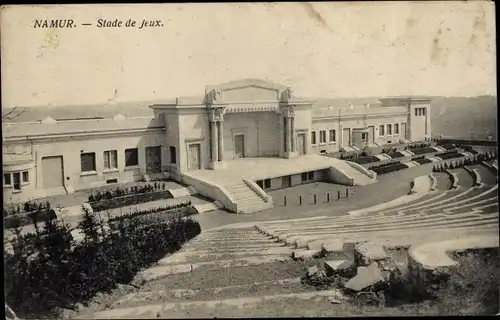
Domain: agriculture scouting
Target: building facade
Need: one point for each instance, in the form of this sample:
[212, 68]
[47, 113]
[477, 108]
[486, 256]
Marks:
[239, 119]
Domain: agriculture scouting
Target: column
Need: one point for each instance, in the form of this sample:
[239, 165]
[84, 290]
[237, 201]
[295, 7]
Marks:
[292, 133]
[220, 135]
[285, 134]
[215, 142]
[288, 134]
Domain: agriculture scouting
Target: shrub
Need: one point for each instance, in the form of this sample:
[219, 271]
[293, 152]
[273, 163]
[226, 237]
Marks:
[129, 199]
[120, 192]
[24, 219]
[50, 270]
[139, 213]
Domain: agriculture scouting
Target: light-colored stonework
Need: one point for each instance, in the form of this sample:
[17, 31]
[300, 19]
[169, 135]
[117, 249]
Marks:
[187, 138]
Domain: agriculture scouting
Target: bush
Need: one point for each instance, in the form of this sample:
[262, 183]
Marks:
[28, 206]
[120, 192]
[423, 150]
[388, 167]
[129, 199]
[418, 146]
[366, 159]
[139, 213]
[24, 219]
[50, 270]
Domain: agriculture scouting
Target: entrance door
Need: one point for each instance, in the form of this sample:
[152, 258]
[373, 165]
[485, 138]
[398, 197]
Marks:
[287, 181]
[239, 146]
[301, 143]
[371, 134]
[194, 157]
[403, 130]
[153, 159]
[346, 137]
[52, 172]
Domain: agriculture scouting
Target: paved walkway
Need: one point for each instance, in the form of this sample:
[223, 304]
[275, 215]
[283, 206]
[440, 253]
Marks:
[393, 185]
[264, 168]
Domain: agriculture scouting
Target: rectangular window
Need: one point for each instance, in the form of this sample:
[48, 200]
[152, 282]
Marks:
[364, 136]
[322, 136]
[87, 161]
[131, 157]
[310, 175]
[6, 179]
[267, 183]
[389, 129]
[332, 135]
[110, 159]
[423, 111]
[381, 130]
[26, 177]
[260, 183]
[17, 180]
[313, 137]
[173, 155]
[304, 176]
[396, 128]
[416, 112]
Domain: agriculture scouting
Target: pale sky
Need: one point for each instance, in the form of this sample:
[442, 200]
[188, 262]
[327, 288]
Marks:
[320, 49]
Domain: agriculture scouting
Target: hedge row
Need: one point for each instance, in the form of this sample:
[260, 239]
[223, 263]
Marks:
[422, 161]
[24, 219]
[120, 192]
[138, 213]
[117, 202]
[417, 146]
[366, 159]
[449, 155]
[26, 207]
[387, 164]
[423, 150]
[390, 168]
[441, 167]
[52, 271]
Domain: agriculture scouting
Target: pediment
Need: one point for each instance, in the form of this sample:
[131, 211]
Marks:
[247, 90]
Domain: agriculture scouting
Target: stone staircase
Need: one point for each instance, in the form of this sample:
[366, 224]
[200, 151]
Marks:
[360, 178]
[229, 272]
[247, 200]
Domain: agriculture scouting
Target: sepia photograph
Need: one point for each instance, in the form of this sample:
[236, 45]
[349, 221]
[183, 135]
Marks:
[250, 159]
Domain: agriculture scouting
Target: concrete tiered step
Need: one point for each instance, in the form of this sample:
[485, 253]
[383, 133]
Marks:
[439, 149]
[233, 272]
[207, 207]
[383, 156]
[247, 200]
[407, 153]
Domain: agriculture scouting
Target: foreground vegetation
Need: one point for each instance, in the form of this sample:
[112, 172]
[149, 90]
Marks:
[49, 270]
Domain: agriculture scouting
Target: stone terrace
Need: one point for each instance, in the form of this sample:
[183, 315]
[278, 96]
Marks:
[253, 268]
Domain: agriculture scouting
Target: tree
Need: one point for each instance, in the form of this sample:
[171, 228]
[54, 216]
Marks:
[13, 113]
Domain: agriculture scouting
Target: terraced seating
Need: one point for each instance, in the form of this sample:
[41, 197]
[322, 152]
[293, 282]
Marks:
[254, 267]
[233, 271]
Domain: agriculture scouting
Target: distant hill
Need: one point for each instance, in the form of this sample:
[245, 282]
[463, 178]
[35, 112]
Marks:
[458, 117]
